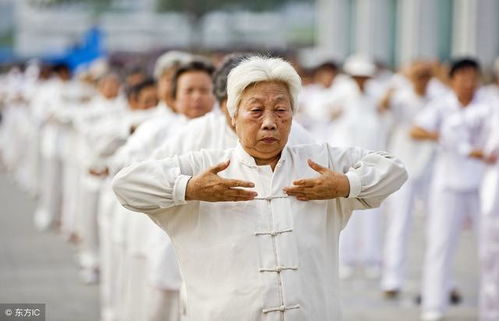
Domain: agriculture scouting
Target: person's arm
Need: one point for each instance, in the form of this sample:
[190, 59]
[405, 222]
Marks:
[151, 185]
[384, 103]
[372, 176]
[159, 184]
[419, 133]
[426, 125]
[368, 177]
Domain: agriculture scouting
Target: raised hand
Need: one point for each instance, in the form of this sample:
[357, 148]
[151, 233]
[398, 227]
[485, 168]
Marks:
[209, 187]
[327, 185]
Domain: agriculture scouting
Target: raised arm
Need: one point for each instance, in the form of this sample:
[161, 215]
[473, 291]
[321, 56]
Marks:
[151, 185]
[373, 176]
[157, 184]
[368, 177]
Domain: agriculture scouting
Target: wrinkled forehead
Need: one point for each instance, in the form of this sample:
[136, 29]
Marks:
[266, 91]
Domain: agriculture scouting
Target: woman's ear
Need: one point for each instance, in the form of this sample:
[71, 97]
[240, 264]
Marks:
[233, 120]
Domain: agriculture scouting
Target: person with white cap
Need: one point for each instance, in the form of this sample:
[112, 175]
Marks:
[404, 104]
[360, 124]
[257, 239]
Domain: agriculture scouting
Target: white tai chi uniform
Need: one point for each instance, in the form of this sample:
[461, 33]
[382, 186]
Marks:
[454, 192]
[489, 220]
[118, 261]
[489, 226]
[99, 110]
[417, 156]
[48, 211]
[208, 132]
[271, 258]
[363, 126]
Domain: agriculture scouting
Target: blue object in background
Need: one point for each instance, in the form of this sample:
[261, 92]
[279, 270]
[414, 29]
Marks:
[82, 53]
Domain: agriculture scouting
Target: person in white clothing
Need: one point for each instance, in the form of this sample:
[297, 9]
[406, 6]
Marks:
[360, 124]
[191, 91]
[48, 212]
[489, 224]
[454, 194]
[256, 238]
[404, 104]
[111, 243]
[93, 120]
[212, 131]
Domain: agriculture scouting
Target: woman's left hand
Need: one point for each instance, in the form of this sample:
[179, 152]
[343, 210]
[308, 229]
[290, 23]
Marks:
[328, 185]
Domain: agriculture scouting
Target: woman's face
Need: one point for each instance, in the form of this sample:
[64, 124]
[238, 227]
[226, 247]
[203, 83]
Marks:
[194, 94]
[263, 120]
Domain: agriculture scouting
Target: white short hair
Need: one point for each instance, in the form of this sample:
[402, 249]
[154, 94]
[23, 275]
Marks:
[259, 69]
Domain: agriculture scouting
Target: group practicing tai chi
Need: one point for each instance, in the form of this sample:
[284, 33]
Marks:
[246, 188]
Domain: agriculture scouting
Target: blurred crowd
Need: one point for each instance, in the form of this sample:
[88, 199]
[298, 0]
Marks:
[64, 135]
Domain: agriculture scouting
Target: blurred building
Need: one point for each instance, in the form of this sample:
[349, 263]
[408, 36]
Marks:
[134, 26]
[392, 31]
[396, 31]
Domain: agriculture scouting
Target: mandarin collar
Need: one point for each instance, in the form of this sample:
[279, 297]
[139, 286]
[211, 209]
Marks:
[243, 157]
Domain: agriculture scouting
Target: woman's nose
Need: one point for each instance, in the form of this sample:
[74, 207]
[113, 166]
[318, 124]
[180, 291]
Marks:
[269, 121]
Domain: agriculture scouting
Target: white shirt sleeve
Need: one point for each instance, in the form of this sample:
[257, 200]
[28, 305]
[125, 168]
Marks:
[429, 118]
[156, 184]
[373, 176]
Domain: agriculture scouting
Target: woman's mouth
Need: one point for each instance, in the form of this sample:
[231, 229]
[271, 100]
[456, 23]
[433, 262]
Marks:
[269, 140]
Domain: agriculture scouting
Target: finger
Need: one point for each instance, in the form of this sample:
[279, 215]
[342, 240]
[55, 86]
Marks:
[237, 183]
[308, 182]
[219, 167]
[295, 190]
[234, 197]
[316, 167]
[236, 192]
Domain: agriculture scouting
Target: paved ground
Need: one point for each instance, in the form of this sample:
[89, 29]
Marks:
[40, 268]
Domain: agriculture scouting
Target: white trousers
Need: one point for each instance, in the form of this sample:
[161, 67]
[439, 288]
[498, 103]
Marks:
[112, 271]
[360, 240]
[135, 287]
[448, 212]
[70, 198]
[400, 207]
[87, 222]
[110, 257]
[489, 267]
[48, 211]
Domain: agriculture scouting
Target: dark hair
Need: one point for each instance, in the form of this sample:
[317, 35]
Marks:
[136, 89]
[220, 75]
[194, 65]
[60, 68]
[133, 70]
[328, 65]
[463, 63]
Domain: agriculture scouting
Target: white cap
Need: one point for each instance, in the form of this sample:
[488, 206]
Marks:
[170, 59]
[359, 65]
[98, 68]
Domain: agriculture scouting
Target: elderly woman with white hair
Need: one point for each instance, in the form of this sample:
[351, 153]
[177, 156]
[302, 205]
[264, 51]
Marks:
[255, 228]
